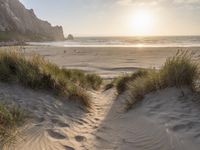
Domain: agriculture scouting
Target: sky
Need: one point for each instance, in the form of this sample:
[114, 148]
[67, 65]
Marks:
[120, 17]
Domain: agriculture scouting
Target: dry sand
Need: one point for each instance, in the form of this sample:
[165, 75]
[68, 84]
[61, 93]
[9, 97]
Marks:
[109, 61]
[164, 120]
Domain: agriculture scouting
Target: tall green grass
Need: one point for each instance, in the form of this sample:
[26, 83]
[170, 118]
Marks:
[11, 117]
[38, 73]
[178, 71]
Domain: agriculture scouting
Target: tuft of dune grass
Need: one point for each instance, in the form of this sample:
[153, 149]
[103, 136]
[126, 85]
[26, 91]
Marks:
[112, 84]
[11, 117]
[121, 82]
[143, 85]
[38, 73]
[178, 71]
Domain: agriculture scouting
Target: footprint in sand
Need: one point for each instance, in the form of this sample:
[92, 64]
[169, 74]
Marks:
[82, 120]
[97, 119]
[98, 108]
[95, 127]
[59, 123]
[80, 138]
[78, 122]
[56, 135]
[68, 147]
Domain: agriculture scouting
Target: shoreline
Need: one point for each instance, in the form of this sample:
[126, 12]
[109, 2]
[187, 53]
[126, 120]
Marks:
[108, 46]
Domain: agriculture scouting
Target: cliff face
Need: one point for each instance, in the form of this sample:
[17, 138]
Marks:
[15, 18]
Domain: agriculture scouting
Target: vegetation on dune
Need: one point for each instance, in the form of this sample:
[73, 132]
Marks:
[178, 71]
[112, 84]
[141, 86]
[87, 81]
[38, 73]
[121, 83]
[11, 117]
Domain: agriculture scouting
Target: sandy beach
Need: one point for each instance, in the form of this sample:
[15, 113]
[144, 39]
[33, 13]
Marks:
[99, 75]
[108, 62]
[164, 120]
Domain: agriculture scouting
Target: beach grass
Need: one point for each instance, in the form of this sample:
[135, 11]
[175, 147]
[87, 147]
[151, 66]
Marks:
[121, 82]
[38, 73]
[178, 71]
[113, 83]
[11, 117]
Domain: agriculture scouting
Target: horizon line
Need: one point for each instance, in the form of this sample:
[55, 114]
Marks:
[184, 35]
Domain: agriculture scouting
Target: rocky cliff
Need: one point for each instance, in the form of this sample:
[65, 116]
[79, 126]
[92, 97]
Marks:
[16, 21]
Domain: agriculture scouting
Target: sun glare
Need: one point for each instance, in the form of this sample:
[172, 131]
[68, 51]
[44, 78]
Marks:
[142, 22]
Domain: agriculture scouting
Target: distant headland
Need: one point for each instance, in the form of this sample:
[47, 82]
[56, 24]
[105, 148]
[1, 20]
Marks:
[21, 24]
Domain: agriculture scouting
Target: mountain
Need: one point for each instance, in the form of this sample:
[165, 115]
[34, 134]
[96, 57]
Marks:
[19, 23]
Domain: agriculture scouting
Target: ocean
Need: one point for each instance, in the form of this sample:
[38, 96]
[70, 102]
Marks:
[150, 41]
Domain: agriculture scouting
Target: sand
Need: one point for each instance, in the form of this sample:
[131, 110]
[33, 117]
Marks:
[108, 62]
[164, 120]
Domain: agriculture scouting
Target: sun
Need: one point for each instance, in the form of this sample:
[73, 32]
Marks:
[142, 22]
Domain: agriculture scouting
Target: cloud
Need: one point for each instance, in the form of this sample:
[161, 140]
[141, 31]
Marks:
[187, 1]
[188, 4]
[159, 2]
[137, 2]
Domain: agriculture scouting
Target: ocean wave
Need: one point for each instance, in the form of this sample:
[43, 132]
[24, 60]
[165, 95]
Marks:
[180, 41]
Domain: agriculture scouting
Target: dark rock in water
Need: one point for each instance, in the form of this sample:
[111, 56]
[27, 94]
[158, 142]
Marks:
[19, 23]
[70, 37]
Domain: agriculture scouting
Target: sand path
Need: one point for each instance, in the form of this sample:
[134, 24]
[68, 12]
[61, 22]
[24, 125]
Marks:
[55, 125]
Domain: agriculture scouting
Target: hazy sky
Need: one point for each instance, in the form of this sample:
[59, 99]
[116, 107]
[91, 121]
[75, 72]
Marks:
[121, 17]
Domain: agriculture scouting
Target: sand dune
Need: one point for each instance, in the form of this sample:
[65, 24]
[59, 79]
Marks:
[164, 120]
[53, 124]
